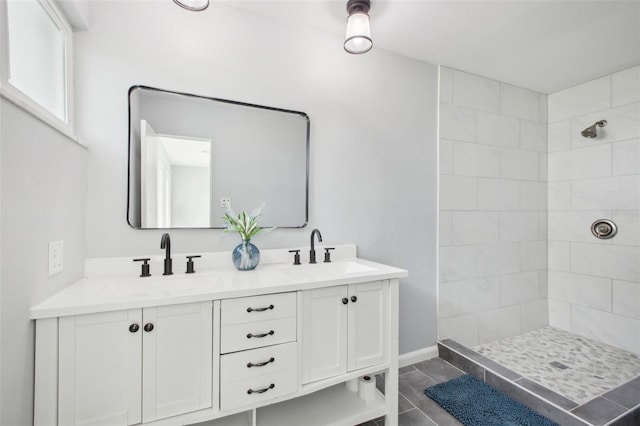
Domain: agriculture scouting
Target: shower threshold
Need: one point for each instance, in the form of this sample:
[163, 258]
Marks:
[617, 406]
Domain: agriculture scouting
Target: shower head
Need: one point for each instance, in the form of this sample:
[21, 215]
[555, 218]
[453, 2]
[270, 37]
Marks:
[591, 131]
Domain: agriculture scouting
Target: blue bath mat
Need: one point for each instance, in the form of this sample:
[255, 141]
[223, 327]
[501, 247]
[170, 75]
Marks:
[475, 403]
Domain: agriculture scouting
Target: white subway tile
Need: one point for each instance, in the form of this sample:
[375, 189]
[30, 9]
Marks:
[535, 315]
[615, 330]
[559, 194]
[544, 167]
[625, 86]
[533, 196]
[584, 290]
[518, 102]
[464, 297]
[458, 193]
[516, 164]
[462, 329]
[498, 130]
[610, 261]
[499, 323]
[445, 228]
[519, 288]
[592, 96]
[574, 226]
[497, 259]
[446, 85]
[626, 158]
[446, 157]
[533, 136]
[457, 123]
[476, 92]
[544, 108]
[542, 225]
[628, 222]
[543, 281]
[498, 194]
[580, 163]
[475, 227]
[471, 159]
[559, 256]
[626, 298]
[458, 263]
[533, 255]
[559, 136]
[607, 193]
[622, 123]
[518, 226]
[560, 314]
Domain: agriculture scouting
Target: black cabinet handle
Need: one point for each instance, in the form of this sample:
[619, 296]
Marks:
[345, 300]
[271, 386]
[148, 327]
[260, 309]
[261, 364]
[134, 328]
[354, 299]
[271, 333]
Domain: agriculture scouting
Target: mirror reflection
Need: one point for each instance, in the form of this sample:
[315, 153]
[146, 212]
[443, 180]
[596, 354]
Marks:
[191, 156]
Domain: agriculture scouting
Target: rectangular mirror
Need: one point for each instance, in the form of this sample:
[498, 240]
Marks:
[190, 156]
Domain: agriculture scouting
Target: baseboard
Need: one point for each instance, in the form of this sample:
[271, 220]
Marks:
[418, 356]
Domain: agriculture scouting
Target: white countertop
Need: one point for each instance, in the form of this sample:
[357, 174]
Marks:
[117, 292]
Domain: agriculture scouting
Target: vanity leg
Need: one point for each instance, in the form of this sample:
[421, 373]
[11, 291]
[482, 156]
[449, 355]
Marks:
[45, 398]
[391, 379]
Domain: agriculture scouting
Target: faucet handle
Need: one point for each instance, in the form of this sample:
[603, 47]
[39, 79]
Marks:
[145, 266]
[327, 254]
[190, 268]
[296, 256]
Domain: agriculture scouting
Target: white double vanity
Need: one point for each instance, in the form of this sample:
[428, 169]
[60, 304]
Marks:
[276, 346]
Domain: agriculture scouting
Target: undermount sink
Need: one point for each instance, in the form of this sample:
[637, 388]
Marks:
[332, 268]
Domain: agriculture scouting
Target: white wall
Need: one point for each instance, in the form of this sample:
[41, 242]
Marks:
[493, 199]
[594, 285]
[373, 132]
[43, 198]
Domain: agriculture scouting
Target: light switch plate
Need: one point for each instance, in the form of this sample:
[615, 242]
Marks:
[56, 257]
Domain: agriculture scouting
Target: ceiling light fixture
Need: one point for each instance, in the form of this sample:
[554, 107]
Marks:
[358, 39]
[193, 5]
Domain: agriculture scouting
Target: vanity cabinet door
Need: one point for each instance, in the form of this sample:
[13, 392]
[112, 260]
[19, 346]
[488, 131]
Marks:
[324, 333]
[126, 367]
[345, 328]
[100, 368]
[177, 359]
[368, 324]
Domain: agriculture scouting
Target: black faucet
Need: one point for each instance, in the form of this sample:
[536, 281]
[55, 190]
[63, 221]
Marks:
[165, 243]
[312, 252]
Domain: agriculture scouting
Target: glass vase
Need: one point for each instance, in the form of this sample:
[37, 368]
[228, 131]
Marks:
[245, 256]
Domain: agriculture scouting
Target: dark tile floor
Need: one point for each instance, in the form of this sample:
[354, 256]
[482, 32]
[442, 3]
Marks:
[414, 407]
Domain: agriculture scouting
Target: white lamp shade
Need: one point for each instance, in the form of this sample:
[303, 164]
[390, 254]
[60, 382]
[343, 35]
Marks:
[358, 39]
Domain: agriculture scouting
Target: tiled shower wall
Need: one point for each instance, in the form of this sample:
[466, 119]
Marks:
[493, 209]
[594, 285]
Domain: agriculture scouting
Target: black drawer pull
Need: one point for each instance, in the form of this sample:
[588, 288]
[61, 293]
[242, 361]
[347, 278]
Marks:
[260, 309]
[261, 364]
[271, 333]
[271, 386]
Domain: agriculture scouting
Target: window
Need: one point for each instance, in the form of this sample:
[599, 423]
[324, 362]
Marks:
[36, 57]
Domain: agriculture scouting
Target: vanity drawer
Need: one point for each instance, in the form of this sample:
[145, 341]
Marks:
[257, 308]
[258, 362]
[251, 335]
[258, 389]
